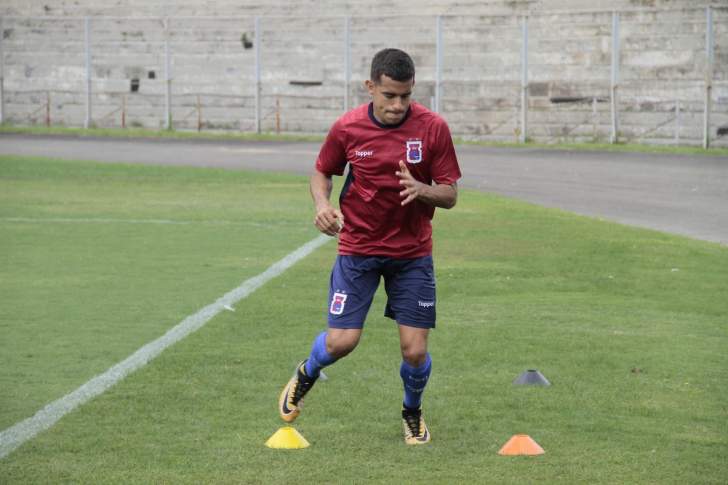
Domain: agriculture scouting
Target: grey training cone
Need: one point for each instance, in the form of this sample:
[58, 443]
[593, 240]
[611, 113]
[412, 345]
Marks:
[531, 377]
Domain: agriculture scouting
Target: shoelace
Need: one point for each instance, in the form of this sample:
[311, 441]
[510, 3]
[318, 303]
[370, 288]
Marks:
[303, 384]
[413, 423]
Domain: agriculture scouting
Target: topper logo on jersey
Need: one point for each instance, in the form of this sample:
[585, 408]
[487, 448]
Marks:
[364, 153]
[337, 304]
[414, 151]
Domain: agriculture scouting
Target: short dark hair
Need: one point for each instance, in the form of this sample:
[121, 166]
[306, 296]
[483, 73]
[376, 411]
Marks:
[393, 63]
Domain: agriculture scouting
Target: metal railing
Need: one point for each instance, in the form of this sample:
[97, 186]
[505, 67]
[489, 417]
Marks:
[176, 107]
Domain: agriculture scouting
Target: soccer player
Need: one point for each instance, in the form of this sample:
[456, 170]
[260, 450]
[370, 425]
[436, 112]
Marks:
[402, 165]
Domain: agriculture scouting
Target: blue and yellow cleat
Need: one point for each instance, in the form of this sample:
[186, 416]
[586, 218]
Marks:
[291, 399]
[415, 429]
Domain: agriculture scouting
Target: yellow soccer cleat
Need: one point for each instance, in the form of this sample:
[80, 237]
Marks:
[415, 429]
[291, 398]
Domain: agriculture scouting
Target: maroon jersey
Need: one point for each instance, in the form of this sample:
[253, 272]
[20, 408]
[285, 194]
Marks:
[375, 222]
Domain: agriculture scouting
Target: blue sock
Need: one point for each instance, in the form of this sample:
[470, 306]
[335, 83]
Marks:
[415, 380]
[319, 358]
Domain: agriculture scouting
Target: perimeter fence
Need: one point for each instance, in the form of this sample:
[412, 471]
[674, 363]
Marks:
[647, 75]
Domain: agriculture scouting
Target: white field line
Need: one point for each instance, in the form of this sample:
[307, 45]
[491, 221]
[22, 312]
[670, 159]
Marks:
[21, 432]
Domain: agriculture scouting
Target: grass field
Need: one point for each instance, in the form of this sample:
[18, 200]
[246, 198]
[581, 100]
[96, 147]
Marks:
[629, 325]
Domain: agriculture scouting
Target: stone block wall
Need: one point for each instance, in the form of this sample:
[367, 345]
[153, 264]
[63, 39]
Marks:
[212, 62]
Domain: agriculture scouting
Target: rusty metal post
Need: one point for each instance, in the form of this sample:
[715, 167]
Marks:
[677, 122]
[2, 75]
[199, 114]
[257, 75]
[87, 52]
[347, 61]
[278, 115]
[615, 77]
[709, 54]
[167, 78]
[523, 134]
[438, 64]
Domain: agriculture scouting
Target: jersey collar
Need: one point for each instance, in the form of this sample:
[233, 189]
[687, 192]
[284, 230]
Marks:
[387, 127]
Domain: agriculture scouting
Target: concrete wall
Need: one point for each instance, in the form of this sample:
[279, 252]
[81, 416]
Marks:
[297, 8]
[662, 64]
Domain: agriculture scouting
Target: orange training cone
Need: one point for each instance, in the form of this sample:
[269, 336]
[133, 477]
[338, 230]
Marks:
[287, 438]
[521, 444]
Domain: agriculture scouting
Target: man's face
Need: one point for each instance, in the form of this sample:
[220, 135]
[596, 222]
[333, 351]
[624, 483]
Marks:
[391, 98]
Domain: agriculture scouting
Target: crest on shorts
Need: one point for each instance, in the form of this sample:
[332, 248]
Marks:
[414, 151]
[337, 304]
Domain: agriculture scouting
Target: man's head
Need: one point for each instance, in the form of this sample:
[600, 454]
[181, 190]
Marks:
[391, 84]
[393, 63]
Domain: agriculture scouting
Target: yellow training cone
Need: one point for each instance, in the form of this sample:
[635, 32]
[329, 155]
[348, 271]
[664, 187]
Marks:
[287, 438]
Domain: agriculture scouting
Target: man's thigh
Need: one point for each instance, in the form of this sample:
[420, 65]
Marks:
[354, 280]
[410, 286]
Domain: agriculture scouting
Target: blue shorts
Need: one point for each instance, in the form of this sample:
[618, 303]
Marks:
[409, 283]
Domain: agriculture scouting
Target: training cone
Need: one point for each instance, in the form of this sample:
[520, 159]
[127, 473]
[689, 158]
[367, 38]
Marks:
[521, 444]
[287, 438]
[531, 377]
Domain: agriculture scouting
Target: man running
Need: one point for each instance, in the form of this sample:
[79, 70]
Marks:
[402, 165]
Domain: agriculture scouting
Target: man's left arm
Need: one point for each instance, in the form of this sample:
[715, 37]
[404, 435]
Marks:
[437, 195]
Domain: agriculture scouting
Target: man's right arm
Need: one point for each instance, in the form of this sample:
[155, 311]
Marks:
[329, 220]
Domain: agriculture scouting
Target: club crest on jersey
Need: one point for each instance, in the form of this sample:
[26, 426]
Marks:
[414, 151]
[337, 304]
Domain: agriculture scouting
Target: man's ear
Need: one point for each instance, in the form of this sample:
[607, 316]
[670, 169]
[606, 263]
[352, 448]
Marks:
[369, 84]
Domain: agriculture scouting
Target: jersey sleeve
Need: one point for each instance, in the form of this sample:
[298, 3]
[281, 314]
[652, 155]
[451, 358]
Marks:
[445, 167]
[332, 156]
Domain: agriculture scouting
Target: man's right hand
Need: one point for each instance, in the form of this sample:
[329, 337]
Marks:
[329, 220]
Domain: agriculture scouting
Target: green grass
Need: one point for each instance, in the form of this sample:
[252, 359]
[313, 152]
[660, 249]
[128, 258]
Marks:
[628, 325]
[146, 133]
[97, 289]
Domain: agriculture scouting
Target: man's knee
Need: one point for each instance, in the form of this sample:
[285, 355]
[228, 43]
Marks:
[340, 342]
[413, 343]
[415, 353]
